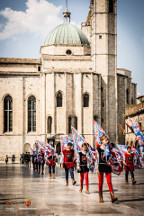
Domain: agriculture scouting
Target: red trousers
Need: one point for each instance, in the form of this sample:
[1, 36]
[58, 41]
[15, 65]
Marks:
[82, 178]
[108, 178]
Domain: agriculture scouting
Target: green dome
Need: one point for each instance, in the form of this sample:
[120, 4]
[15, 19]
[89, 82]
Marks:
[66, 34]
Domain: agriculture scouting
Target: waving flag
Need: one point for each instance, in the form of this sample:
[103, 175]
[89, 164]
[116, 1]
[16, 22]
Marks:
[107, 152]
[129, 127]
[65, 139]
[37, 148]
[111, 155]
[138, 132]
[116, 161]
[98, 133]
[31, 151]
[79, 140]
[46, 148]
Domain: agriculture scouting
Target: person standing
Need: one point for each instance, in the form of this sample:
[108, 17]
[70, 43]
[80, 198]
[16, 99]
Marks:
[41, 162]
[6, 159]
[68, 162]
[51, 163]
[103, 168]
[13, 158]
[82, 167]
[129, 165]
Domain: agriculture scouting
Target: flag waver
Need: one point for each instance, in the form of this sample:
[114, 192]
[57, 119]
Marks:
[111, 155]
[138, 160]
[79, 140]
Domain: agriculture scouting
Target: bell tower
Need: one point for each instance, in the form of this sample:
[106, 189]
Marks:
[104, 57]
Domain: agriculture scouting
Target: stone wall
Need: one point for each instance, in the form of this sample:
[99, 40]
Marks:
[124, 84]
[20, 88]
[60, 50]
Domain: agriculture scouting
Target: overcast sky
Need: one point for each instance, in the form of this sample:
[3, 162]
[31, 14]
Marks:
[24, 25]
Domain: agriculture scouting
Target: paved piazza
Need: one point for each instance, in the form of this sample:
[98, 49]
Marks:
[52, 197]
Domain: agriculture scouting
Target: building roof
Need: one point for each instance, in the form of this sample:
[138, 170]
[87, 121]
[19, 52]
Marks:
[141, 98]
[20, 61]
[134, 110]
[66, 33]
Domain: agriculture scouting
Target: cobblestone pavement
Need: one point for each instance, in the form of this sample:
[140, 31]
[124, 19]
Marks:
[52, 197]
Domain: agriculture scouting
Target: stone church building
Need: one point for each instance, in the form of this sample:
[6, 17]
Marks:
[75, 81]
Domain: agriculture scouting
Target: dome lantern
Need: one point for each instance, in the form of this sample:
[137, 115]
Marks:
[66, 14]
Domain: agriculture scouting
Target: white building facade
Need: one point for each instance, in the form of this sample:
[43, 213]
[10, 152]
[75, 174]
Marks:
[74, 81]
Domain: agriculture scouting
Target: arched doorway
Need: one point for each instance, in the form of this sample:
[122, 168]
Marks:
[58, 148]
[26, 147]
[34, 148]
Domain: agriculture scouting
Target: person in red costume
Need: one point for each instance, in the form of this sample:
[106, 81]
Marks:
[129, 165]
[51, 163]
[68, 163]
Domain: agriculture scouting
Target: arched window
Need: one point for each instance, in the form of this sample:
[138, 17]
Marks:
[136, 144]
[127, 129]
[8, 114]
[75, 122]
[131, 143]
[49, 124]
[31, 114]
[96, 118]
[110, 6]
[59, 99]
[86, 100]
[58, 148]
[132, 101]
[69, 124]
[127, 96]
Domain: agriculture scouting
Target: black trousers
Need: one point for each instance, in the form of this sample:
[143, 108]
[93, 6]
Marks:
[35, 166]
[39, 167]
[127, 173]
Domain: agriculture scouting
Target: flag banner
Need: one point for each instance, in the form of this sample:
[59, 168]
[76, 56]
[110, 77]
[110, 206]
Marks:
[137, 131]
[129, 127]
[37, 148]
[138, 160]
[46, 148]
[65, 139]
[98, 133]
[123, 130]
[114, 158]
[111, 155]
[79, 140]
[31, 151]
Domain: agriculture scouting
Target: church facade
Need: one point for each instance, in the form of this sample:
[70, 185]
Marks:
[75, 81]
